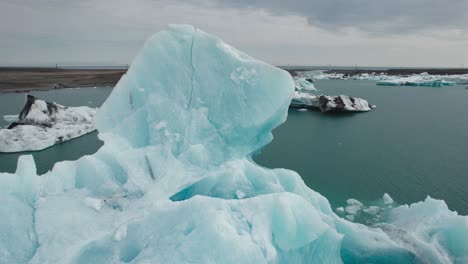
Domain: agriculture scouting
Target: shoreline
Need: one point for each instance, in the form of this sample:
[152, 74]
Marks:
[27, 79]
[379, 70]
[21, 80]
[402, 71]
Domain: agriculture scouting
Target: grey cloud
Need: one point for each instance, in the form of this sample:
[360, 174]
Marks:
[374, 16]
[111, 31]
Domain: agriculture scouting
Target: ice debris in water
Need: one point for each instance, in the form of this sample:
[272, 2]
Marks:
[303, 83]
[418, 79]
[368, 214]
[43, 124]
[353, 206]
[189, 191]
[387, 199]
[415, 80]
[10, 118]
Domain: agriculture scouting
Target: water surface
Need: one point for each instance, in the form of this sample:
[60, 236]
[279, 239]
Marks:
[414, 144]
[12, 103]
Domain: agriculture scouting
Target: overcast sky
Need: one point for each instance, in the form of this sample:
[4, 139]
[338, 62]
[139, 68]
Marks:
[281, 32]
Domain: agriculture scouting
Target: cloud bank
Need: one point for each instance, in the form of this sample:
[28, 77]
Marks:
[314, 32]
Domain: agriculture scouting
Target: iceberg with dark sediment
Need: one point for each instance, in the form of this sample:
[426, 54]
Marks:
[328, 75]
[175, 181]
[43, 124]
[326, 103]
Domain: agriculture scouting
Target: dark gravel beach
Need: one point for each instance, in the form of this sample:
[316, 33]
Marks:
[25, 79]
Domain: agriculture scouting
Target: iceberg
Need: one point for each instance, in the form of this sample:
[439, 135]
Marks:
[43, 124]
[303, 83]
[419, 79]
[325, 103]
[175, 181]
[330, 75]
[423, 79]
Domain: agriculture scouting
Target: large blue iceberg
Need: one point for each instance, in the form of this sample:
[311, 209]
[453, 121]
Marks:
[175, 181]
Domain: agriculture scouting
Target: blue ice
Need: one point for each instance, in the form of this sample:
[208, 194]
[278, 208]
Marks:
[175, 181]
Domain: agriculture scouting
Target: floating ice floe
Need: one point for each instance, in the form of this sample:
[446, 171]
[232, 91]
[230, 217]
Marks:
[325, 103]
[370, 214]
[10, 118]
[43, 124]
[303, 83]
[325, 75]
[421, 79]
[175, 181]
[387, 199]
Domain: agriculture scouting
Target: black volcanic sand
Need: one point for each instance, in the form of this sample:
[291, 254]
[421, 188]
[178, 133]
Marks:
[26, 79]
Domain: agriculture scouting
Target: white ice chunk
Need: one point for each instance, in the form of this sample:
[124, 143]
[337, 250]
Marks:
[387, 199]
[353, 206]
[10, 118]
[417, 79]
[372, 210]
[94, 203]
[423, 79]
[353, 202]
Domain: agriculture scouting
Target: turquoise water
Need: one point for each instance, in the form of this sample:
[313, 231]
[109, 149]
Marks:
[414, 144]
[12, 103]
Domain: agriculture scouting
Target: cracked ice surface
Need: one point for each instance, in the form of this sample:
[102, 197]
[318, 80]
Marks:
[175, 182]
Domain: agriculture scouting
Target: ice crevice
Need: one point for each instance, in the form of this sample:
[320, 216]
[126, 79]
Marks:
[192, 73]
[175, 182]
[36, 246]
[150, 169]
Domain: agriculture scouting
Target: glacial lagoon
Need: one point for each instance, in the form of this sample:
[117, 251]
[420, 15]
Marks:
[414, 144]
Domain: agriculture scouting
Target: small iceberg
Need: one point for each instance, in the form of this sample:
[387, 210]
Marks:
[422, 79]
[10, 118]
[416, 80]
[382, 78]
[43, 124]
[304, 83]
[326, 103]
